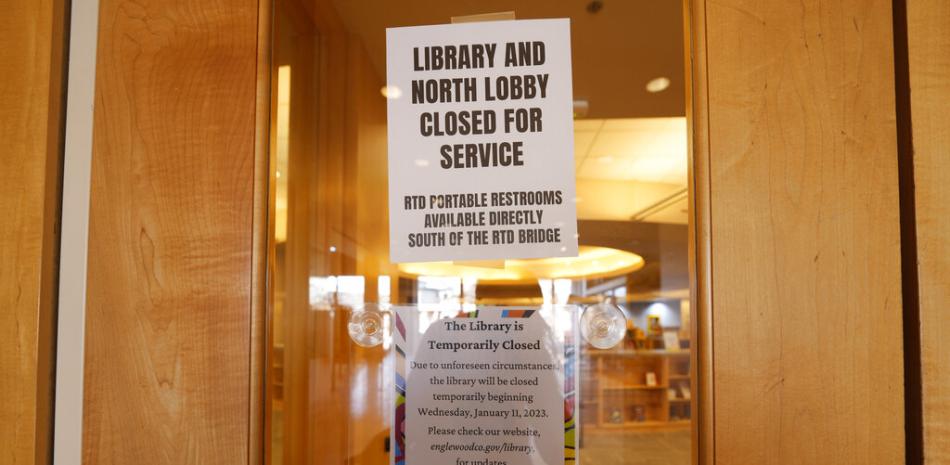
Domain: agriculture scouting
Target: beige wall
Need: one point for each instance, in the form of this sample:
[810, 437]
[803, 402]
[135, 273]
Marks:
[31, 66]
[796, 169]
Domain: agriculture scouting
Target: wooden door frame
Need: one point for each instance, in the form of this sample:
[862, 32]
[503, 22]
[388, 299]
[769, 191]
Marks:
[700, 241]
[262, 223]
[873, 98]
[701, 214]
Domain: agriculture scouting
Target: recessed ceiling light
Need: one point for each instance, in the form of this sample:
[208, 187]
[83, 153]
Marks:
[658, 84]
[422, 163]
[391, 92]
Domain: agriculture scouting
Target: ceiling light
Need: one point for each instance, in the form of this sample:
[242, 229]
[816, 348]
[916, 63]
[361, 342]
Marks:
[658, 84]
[422, 163]
[391, 92]
[591, 262]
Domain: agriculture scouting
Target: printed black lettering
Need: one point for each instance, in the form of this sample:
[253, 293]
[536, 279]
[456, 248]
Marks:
[451, 57]
[446, 151]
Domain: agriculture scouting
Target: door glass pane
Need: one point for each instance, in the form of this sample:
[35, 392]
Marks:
[329, 399]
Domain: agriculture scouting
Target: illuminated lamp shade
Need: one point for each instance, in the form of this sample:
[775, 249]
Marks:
[591, 262]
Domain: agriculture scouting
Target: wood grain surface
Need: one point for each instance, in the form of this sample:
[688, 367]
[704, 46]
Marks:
[31, 63]
[261, 226]
[928, 36]
[169, 305]
[804, 232]
[699, 245]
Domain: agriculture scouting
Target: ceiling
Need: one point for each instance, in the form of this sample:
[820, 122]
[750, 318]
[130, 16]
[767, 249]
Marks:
[630, 145]
[624, 149]
[631, 168]
[615, 51]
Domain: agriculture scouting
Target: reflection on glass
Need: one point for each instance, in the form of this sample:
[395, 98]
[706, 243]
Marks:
[383, 286]
[350, 290]
[278, 301]
[329, 397]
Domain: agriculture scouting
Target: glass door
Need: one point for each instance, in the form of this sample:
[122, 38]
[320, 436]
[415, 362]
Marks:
[332, 372]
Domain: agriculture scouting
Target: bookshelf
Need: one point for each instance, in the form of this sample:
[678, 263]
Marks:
[615, 393]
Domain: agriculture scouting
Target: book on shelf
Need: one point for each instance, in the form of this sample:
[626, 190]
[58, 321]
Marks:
[671, 341]
[651, 379]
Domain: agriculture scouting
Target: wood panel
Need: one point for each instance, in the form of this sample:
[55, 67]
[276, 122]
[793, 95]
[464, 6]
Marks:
[262, 224]
[698, 229]
[169, 324]
[336, 174]
[296, 47]
[799, 146]
[928, 36]
[351, 178]
[369, 430]
[31, 62]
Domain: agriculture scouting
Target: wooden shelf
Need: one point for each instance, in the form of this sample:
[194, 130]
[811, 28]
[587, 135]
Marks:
[634, 353]
[635, 424]
[642, 387]
[616, 391]
[647, 425]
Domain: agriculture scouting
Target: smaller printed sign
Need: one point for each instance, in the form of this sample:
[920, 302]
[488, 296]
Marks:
[492, 384]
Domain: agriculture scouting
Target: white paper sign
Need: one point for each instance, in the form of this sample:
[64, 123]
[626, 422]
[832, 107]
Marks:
[481, 141]
[489, 387]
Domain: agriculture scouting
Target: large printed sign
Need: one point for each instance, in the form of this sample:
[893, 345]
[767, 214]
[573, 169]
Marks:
[493, 386]
[481, 141]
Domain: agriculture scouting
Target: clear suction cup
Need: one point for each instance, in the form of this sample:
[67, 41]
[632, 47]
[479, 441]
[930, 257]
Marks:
[603, 325]
[366, 326]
